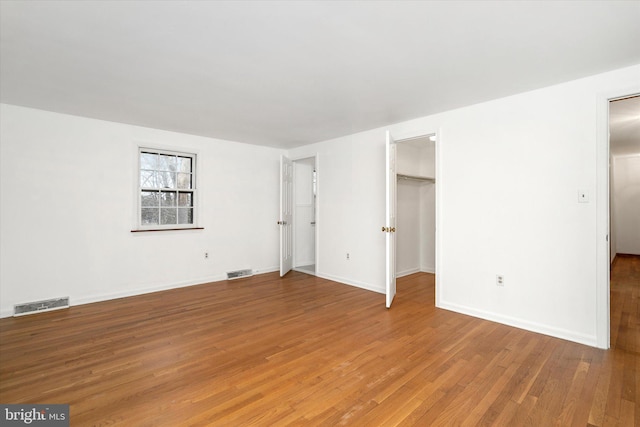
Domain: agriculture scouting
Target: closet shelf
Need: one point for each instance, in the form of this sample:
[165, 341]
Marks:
[416, 178]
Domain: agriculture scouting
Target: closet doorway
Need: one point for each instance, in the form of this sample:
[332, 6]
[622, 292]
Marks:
[624, 176]
[416, 206]
[305, 196]
[410, 209]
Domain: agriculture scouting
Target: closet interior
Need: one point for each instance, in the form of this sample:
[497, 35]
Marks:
[416, 206]
[304, 215]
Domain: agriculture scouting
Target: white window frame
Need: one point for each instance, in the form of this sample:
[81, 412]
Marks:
[193, 190]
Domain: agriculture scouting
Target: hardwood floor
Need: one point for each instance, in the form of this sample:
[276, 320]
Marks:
[267, 351]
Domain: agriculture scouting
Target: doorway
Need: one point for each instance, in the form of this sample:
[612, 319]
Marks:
[410, 209]
[624, 176]
[415, 218]
[624, 208]
[604, 250]
[305, 196]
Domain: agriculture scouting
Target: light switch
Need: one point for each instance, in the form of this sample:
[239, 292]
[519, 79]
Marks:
[583, 196]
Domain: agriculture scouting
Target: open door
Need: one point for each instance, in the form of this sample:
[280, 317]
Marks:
[390, 219]
[286, 215]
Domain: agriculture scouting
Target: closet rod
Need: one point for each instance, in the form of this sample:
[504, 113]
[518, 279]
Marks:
[415, 178]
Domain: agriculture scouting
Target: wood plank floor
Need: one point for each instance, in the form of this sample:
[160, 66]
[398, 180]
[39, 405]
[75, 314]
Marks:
[267, 351]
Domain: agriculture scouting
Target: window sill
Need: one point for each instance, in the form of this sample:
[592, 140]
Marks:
[144, 230]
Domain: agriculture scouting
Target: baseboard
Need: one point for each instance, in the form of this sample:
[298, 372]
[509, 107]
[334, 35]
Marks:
[564, 334]
[415, 270]
[349, 282]
[8, 312]
[266, 270]
[302, 263]
[627, 255]
[407, 272]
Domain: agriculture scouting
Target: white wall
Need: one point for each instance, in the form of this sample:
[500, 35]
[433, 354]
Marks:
[68, 207]
[408, 233]
[507, 180]
[350, 208]
[626, 206]
[428, 228]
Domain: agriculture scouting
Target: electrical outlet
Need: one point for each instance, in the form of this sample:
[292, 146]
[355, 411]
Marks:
[206, 255]
[583, 196]
[499, 280]
[348, 256]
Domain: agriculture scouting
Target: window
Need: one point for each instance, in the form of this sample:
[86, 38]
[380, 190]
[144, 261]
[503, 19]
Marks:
[167, 189]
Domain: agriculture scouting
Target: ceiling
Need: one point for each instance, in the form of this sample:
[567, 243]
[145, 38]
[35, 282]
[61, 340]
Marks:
[624, 126]
[285, 74]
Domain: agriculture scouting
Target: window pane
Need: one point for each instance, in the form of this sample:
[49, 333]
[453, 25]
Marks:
[185, 216]
[148, 161]
[167, 183]
[167, 198]
[150, 198]
[148, 179]
[167, 163]
[184, 181]
[149, 216]
[185, 199]
[184, 164]
[167, 179]
[167, 216]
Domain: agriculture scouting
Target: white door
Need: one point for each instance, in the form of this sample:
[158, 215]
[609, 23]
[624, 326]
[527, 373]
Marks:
[286, 215]
[390, 219]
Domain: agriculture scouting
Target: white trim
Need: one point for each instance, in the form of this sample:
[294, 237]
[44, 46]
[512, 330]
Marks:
[625, 156]
[415, 270]
[414, 134]
[565, 334]
[146, 290]
[407, 272]
[439, 252]
[139, 145]
[318, 205]
[603, 255]
[136, 146]
[357, 284]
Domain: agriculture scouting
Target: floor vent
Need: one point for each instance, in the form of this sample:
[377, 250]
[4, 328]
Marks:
[239, 274]
[39, 306]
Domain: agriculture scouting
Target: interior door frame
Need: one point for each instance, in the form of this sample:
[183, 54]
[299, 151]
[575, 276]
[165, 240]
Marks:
[603, 253]
[316, 233]
[400, 137]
